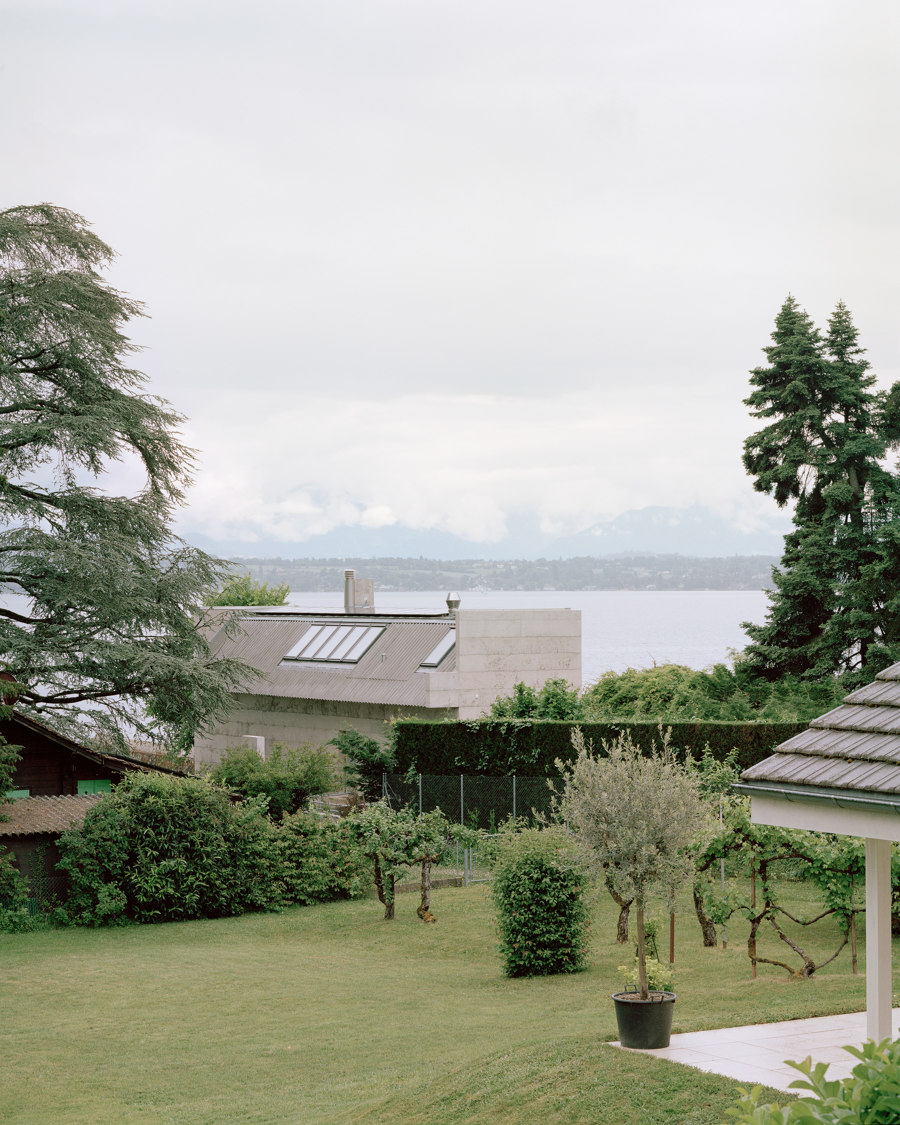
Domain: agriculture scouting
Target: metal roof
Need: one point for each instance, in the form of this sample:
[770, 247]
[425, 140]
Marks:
[854, 749]
[389, 672]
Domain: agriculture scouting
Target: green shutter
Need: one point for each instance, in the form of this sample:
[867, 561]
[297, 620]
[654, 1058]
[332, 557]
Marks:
[17, 794]
[100, 785]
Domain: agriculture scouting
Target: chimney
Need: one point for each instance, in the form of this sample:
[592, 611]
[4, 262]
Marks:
[453, 601]
[349, 591]
[359, 593]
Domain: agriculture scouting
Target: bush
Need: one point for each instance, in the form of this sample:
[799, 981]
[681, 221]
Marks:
[288, 777]
[322, 860]
[162, 849]
[498, 748]
[368, 761]
[869, 1096]
[538, 887]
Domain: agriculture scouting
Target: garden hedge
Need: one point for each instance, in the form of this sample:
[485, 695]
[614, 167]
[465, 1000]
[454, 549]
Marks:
[498, 748]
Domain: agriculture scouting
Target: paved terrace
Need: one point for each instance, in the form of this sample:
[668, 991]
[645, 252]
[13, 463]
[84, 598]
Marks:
[756, 1054]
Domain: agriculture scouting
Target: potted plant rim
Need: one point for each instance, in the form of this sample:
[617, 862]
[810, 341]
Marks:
[634, 814]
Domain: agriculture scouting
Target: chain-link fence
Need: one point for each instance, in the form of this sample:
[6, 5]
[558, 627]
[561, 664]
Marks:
[475, 801]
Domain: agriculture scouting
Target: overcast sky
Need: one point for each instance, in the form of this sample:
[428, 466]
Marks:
[447, 264]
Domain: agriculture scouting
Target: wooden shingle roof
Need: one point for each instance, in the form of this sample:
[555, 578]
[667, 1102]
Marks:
[854, 748]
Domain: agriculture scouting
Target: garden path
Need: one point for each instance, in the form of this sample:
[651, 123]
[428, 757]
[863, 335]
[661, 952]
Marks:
[756, 1054]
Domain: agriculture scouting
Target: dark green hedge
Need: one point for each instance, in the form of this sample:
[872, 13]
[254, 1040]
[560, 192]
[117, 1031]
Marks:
[499, 748]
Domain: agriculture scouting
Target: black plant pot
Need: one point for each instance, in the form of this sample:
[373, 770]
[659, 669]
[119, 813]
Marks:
[644, 1024]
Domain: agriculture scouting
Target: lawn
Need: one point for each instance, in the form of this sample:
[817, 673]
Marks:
[328, 1014]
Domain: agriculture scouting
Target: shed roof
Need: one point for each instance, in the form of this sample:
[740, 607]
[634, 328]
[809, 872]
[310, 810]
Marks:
[390, 671]
[38, 816]
[852, 750]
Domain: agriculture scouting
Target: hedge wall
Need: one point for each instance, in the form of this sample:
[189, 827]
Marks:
[497, 748]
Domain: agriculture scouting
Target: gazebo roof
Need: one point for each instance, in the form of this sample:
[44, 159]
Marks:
[852, 751]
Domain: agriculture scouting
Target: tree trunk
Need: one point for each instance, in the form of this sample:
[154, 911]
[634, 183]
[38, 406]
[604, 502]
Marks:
[385, 894]
[424, 910]
[642, 954]
[624, 905]
[707, 927]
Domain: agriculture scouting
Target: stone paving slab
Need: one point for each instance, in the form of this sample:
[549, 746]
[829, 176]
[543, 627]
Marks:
[755, 1054]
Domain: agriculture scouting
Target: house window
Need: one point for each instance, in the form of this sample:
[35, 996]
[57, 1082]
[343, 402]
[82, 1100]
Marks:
[100, 785]
[334, 644]
[443, 648]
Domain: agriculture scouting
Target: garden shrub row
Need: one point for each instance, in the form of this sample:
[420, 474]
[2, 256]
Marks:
[498, 748]
[164, 849]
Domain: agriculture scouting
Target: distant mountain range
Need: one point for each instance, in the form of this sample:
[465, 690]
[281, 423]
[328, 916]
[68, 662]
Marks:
[695, 531]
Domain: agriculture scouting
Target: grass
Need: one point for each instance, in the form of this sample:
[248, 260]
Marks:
[328, 1014]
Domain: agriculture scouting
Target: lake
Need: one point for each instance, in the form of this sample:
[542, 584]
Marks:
[619, 628]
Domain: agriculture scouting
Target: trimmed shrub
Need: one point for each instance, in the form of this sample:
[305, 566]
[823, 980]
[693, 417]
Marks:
[538, 888]
[322, 859]
[161, 849]
[531, 748]
[288, 777]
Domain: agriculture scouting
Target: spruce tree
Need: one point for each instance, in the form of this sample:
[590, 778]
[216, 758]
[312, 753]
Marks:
[826, 436]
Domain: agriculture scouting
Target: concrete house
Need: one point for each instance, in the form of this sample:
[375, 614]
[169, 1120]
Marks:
[321, 673]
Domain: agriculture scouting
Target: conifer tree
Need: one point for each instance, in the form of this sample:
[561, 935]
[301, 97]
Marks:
[826, 437]
[103, 630]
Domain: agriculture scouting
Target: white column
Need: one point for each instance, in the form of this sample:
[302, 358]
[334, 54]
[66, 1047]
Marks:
[878, 939]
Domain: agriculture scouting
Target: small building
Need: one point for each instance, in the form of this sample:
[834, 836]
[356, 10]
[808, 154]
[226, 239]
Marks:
[56, 781]
[359, 668]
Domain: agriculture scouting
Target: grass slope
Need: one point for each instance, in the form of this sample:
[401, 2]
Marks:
[328, 1014]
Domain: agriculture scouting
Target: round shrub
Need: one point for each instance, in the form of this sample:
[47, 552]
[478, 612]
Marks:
[322, 860]
[538, 887]
[162, 849]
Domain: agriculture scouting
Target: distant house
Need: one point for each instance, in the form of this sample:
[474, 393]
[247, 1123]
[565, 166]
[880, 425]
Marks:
[321, 673]
[56, 782]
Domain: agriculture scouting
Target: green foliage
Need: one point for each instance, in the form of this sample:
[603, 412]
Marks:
[531, 749]
[834, 608]
[243, 589]
[674, 693]
[869, 1096]
[556, 699]
[368, 761]
[161, 849]
[109, 635]
[635, 816]
[660, 978]
[385, 836]
[538, 888]
[287, 778]
[323, 860]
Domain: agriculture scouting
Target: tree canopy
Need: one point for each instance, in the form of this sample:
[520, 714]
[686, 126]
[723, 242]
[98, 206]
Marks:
[104, 627]
[835, 606]
[244, 589]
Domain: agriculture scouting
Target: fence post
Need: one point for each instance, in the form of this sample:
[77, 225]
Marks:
[420, 794]
[384, 786]
[462, 818]
[514, 796]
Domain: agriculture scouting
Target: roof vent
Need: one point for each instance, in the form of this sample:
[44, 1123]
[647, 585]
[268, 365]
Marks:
[453, 601]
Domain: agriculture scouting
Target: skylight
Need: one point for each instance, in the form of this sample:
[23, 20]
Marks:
[335, 644]
[440, 650]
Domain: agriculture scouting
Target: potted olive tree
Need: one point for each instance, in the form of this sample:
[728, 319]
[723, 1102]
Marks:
[634, 815]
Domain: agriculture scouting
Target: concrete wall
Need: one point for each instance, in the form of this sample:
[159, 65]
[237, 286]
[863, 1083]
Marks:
[498, 648]
[298, 721]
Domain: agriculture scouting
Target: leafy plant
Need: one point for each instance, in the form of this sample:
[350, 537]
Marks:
[162, 848]
[635, 816]
[288, 777]
[322, 859]
[660, 978]
[869, 1096]
[368, 760]
[538, 887]
[244, 589]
